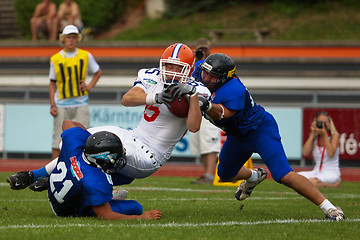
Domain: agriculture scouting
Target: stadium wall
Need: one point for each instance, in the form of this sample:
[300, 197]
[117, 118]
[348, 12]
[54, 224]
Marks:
[27, 128]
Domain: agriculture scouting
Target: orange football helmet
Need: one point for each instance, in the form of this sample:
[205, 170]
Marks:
[176, 64]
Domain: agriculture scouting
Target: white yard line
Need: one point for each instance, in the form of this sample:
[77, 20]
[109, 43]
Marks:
[333, 195]
[173, 224]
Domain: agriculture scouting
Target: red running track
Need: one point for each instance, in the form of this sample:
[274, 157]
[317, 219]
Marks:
[169, 169]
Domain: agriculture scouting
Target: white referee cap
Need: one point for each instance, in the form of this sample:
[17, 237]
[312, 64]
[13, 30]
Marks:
[70, 29]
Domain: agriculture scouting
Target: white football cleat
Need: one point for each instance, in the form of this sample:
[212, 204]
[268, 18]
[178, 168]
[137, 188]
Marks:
[245, 189]
[335, 214]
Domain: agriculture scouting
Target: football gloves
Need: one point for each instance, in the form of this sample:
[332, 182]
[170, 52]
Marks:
[180, 89]
[164, 97]
[120, 162]
[204, 104]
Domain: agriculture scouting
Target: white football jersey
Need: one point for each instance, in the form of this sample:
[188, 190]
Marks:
[159, 129]
[150, 144]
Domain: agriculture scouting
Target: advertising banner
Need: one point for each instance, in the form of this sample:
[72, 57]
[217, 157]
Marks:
[347, 123]
[27, 128]
[2, 118]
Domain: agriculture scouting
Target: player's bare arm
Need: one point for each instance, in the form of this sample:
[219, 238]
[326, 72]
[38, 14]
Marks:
[104, 211]
[193, 120]
[218, 112]
[134, 97]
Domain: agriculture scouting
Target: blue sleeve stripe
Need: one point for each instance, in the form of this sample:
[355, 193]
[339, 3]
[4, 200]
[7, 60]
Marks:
[138, 82]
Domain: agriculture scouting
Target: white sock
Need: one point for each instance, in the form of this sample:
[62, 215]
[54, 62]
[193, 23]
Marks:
[51, 165]
[326, 205]
[254, 176]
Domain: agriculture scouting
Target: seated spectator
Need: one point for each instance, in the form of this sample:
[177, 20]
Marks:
[68, 14]
[323, 141]
[43, 18]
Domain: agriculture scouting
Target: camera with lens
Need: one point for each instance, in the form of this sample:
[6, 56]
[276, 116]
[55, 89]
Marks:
[200, 53]
[319, 124]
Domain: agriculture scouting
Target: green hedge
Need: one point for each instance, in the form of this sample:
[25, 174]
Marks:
[291, 7]
[95, 13]
[100, 14]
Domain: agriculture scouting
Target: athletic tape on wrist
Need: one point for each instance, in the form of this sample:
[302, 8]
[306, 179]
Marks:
[192, 95]
[223, 111]
[150, 99]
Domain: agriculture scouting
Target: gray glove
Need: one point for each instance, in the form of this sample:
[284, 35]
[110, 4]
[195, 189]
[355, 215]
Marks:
[180, 89]
[164, 97]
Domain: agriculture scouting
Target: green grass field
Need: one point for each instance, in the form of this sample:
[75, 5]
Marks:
[188, 212]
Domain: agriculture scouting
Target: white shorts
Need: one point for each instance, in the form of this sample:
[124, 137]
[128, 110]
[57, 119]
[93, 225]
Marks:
[206, 140]
[323, 176]
[141, 161]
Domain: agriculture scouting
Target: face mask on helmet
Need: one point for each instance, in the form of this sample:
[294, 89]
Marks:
[176, 64]
[209, 78]
[104, 150]
[216, 70]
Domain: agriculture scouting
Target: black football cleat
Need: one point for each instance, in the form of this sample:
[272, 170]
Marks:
[40, 185]
[20, 180]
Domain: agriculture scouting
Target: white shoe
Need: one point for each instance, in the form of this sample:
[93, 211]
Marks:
[120, 194]
[245, 189]
[335, 214]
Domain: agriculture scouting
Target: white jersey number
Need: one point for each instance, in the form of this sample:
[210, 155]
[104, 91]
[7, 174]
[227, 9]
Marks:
[59, 177]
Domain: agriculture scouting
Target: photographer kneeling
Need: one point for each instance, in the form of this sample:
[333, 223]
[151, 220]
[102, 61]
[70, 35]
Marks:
[323, 141]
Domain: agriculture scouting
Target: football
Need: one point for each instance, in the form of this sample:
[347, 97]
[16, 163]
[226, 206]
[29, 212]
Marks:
[180, 108]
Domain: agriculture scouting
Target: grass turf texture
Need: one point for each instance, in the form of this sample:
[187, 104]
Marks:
[189, 212]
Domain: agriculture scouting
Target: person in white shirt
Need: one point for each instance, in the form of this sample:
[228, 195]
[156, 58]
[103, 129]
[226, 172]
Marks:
[323, 141]
[68, 91]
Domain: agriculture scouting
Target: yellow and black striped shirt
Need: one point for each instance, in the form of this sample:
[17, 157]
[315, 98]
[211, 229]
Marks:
[70, 73]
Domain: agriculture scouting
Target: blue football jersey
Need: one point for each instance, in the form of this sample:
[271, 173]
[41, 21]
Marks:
[75, 186]
[196, 66]
[234, 96]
